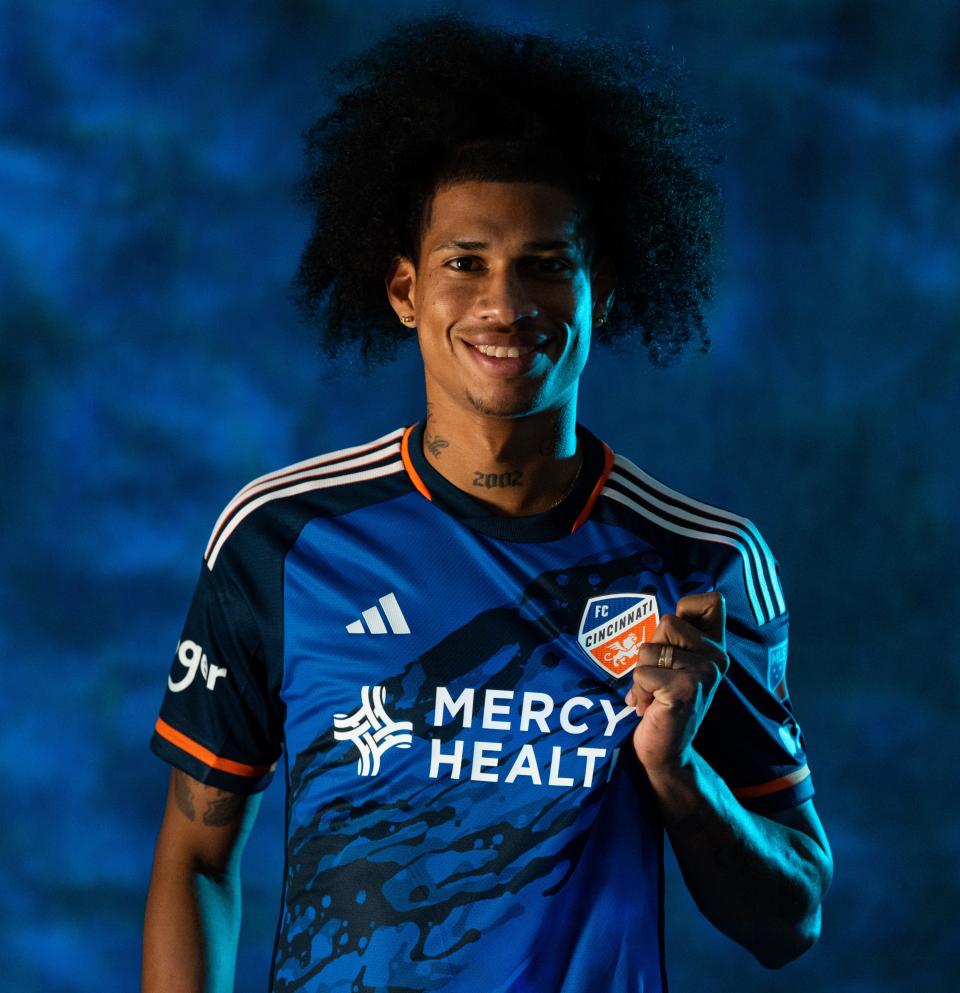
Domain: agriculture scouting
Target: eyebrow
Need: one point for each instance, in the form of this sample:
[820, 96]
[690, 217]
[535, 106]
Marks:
[557, 245]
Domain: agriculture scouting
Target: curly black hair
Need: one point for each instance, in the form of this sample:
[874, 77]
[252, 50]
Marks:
[440, 99]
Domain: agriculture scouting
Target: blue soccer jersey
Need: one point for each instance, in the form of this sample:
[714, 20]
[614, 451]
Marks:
[465, 810]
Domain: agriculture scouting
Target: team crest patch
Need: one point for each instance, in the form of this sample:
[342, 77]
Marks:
[614, 627]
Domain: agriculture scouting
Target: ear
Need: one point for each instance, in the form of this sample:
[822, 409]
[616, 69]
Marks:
[401, 283]
[603, 281]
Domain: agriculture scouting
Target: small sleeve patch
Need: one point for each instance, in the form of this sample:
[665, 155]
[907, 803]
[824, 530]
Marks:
[777, 670]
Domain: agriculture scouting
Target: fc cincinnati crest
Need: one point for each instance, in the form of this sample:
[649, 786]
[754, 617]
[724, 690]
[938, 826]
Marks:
[614, 627]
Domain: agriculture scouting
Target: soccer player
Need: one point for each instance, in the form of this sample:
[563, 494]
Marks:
[497, 661]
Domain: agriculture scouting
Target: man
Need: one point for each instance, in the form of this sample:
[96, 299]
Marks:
[449, 633]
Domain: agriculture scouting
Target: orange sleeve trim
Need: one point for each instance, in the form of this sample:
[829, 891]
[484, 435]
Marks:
[746, 792]
[207, 757]
[595, 493]
[408, 464]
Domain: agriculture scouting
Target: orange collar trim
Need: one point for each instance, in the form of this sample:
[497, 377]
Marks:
[408, 464]
[595, 492]
[421, 486]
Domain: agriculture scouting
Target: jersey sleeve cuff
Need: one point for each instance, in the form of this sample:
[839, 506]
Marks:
[773, 795]
[205, 766]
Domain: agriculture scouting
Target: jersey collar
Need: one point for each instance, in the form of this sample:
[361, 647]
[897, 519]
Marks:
[550, 525]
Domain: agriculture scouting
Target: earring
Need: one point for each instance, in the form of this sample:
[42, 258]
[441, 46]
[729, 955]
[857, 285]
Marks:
[407, 318]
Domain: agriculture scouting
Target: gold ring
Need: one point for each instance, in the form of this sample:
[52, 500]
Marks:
[666, 657]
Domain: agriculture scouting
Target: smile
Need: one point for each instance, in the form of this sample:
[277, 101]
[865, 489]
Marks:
[502, 352]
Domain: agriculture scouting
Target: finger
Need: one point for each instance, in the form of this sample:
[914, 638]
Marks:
[670, 687]
[708, 654]
[672, 630]
[705, 611]
[639, 699]
[675, 686]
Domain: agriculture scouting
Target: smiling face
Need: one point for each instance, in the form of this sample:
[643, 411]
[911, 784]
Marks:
[503, 297]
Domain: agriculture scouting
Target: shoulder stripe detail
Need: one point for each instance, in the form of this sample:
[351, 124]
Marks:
[294, 487]
[207, 757]
[320, 466]
[326, 458]
[774, 786]
[759, 559]
[760, 552]
[753, 571]
[692, 533]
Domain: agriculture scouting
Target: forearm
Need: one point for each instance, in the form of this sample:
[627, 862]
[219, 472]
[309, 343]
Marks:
[758, 881]
[191, 928]
[192, 920]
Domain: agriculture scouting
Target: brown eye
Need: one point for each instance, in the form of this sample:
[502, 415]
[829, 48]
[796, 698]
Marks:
[464, 263]
[551, 265]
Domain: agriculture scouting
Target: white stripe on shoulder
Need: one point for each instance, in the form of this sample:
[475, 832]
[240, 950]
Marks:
[728, 528]
[754, 539]
[731, 529]
[335, 461]
[692, 533]
[293, 489]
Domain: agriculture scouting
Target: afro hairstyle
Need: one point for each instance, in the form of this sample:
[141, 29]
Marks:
[440, 100]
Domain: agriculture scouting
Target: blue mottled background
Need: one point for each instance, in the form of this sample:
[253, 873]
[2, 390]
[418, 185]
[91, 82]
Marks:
[152, 362]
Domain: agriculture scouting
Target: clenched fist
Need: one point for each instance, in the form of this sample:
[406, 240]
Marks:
[677, 673]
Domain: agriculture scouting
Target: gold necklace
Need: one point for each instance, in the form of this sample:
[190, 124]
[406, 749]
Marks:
[569, 489]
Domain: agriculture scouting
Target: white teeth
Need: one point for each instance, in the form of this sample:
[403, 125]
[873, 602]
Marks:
[501, 352]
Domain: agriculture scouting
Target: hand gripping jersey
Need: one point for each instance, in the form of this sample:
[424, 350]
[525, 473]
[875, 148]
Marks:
[465, 811]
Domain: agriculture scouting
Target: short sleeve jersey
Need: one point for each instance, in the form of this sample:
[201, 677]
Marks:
[446, 686]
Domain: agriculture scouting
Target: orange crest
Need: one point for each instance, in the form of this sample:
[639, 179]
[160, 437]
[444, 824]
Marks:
[613, 628]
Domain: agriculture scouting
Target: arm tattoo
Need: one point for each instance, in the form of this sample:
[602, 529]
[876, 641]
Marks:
[492, 479]
[224, 810]
[183, 795]
[219, 812]
[436, 444]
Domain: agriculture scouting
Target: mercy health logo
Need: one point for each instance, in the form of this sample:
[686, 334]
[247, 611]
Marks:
[613, 628]
[371, 729]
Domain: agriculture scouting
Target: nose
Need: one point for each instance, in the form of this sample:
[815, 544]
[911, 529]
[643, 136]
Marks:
[504, 298]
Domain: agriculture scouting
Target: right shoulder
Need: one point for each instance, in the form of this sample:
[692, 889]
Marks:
[335, 482]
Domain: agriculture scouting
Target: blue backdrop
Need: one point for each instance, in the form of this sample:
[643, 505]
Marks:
[152, 362]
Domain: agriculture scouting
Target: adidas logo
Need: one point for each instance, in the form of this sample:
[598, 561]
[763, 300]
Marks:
[374, 619]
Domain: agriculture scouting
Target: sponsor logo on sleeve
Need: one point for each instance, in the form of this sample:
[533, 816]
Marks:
[193, 658]
[790, 736]
[613, 628]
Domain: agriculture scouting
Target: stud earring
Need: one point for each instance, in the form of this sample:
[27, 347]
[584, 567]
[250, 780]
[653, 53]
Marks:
[407, 318]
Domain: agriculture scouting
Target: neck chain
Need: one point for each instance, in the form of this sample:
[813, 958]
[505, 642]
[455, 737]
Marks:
[569, 489]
